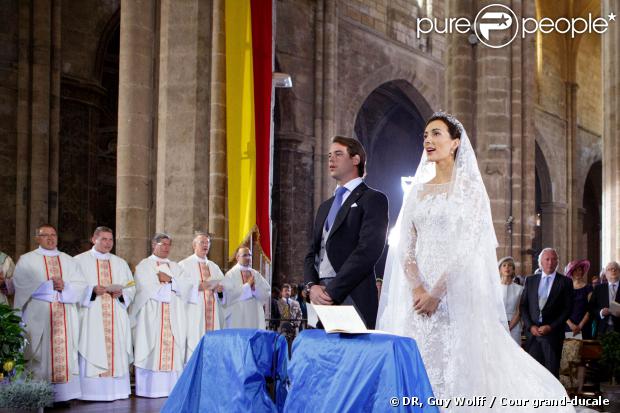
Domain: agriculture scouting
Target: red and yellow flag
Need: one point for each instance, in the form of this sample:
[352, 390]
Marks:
[249, 63]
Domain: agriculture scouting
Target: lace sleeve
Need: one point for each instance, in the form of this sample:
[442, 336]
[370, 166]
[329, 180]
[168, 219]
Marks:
[409, 239]
[439, 289]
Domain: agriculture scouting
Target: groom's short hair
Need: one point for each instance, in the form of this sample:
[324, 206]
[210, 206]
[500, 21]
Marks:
[354, 147]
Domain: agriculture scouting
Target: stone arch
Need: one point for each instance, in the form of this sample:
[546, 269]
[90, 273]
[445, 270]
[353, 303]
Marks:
[591, 215]
[390, 125]
[546, 209]
[419, 92]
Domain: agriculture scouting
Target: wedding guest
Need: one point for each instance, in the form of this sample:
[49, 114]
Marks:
[579, 320]
[602, 296]
[512, 295]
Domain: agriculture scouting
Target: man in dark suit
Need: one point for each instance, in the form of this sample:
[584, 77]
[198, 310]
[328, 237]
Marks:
[602, 295]
[546, 304]
[348, 236]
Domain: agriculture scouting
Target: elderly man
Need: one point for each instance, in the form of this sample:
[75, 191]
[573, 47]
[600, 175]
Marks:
[204, 312]
[6, 278]
[48, 287]
[159, 320]
[245, 293]
[602, 296]
[105, 336]
[546, 304]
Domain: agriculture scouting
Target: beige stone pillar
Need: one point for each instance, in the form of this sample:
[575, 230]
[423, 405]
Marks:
[554, 223]
[572, 228]
[135, 129]
[491, 91]
[218, 225]
[38, 119]
[461, 70]
[325, 102]
[183, 123]
[611, 137]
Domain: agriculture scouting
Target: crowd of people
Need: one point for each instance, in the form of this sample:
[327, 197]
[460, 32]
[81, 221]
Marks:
[88, 318]
[588, 316]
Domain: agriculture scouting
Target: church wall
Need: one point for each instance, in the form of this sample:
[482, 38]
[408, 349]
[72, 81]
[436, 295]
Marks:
[9, 54]
[83, 97]
[589, 80]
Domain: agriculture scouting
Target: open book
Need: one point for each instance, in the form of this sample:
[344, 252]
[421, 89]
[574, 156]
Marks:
[614, 308]
[340, 319]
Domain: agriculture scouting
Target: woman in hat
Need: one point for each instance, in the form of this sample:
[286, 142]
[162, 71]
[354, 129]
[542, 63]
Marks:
[578, 321]
[512, 294]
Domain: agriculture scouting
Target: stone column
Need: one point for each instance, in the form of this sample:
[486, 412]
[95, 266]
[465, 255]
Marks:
[497, 114]
[572, 228]
[327, 65]
[461, 70]
[554, 223]
[218, 225]
[37, 119]
[490, 90]
[183, 122]
[135, 129]
[611, 136]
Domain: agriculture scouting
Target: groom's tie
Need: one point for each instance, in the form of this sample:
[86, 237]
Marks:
[333, 211]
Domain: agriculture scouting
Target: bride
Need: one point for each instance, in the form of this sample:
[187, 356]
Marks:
[441, 284]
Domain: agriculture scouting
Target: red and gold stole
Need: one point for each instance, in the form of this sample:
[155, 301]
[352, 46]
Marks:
[207, 296]
[58, 325]
[166, 340]
[104, 279]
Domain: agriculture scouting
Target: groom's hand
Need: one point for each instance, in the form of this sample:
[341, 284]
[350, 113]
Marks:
[318, 295]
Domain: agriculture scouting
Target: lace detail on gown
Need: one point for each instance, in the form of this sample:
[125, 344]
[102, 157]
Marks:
[427, 224]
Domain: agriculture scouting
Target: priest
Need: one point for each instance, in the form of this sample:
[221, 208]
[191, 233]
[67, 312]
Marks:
[105, 346]
[48, 287]
[204, 312]
[245, 293]
[159, 321]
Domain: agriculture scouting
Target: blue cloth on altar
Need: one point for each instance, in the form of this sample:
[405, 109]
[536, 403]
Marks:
[228, 371]
[356, 373]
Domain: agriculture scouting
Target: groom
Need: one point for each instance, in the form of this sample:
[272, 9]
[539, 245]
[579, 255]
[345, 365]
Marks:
[348, 236]
[546, 304]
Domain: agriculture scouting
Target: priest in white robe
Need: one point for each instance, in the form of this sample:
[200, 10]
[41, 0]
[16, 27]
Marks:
[6, 278]
[204, 312]
[48, 287]
[105, 345]
[159, 321]
[245, 294]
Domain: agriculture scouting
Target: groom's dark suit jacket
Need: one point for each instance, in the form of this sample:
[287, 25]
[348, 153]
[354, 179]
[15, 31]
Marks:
[557, 309]
[354, 245]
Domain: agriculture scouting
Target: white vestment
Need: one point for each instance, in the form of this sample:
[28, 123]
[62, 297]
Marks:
[204, 309]
[159, 326]
[51, 317]
[7, 267]
[105, 345]
[244, 304]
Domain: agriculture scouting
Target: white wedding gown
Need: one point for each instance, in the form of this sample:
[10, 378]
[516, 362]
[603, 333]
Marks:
[447, 244]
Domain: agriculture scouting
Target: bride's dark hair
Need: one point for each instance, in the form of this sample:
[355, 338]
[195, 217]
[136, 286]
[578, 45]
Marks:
[454, 126]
